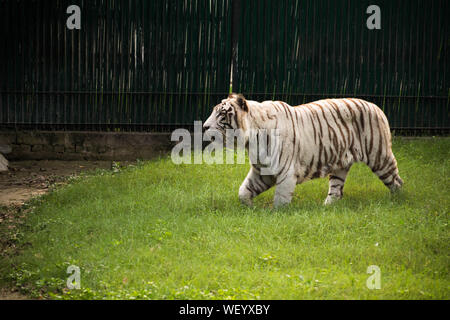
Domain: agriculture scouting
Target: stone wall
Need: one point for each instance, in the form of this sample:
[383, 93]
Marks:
[67, 145]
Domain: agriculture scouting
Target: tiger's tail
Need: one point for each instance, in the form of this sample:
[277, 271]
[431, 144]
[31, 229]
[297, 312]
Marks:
[386, 167]
[389, 175]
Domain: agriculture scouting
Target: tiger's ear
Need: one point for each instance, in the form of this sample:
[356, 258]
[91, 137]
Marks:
[240, 101]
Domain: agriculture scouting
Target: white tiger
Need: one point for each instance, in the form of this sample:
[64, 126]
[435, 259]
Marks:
[320, 138]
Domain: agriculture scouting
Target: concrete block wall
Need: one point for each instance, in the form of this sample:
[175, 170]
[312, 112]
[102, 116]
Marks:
[74, 145]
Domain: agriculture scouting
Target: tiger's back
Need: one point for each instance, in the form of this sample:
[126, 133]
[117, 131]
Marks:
[344, 131]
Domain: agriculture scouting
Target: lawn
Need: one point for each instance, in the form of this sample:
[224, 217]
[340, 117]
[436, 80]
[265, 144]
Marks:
[158, 230]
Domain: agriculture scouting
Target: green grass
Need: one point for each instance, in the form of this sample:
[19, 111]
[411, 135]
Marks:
[162, 231]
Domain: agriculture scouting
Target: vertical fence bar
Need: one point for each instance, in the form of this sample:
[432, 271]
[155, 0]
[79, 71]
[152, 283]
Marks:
[236, 9]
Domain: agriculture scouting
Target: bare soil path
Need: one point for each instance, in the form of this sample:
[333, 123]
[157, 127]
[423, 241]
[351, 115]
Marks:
[26, 179]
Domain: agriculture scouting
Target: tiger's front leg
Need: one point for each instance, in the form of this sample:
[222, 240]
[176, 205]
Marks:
[285, 190]
[253, 185]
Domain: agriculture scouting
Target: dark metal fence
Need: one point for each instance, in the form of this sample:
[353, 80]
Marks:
[155, 65]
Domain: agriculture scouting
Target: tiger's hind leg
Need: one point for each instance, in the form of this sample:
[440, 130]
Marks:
[336, 185]
[388, 173]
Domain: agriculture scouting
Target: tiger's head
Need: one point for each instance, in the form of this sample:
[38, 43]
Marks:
[229, 114]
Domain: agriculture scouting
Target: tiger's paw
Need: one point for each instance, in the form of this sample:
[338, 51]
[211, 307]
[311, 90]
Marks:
[246, 202]
[396, 185]
[280, 201]
[331, 199]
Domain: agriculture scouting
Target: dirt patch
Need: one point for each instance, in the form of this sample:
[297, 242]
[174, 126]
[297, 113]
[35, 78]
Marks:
[27, 179]
[7, 294]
